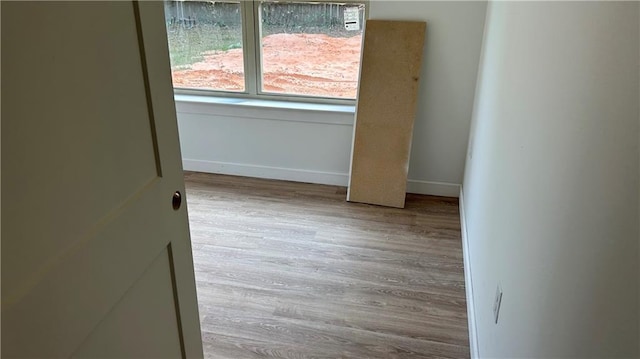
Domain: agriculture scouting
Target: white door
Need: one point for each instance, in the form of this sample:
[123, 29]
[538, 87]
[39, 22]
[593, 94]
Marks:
[96, 262]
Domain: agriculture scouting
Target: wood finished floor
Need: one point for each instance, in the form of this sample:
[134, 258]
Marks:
[291, 270]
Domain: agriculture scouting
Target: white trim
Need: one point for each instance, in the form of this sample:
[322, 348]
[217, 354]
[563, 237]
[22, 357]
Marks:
[262, 103]
[309, 176]
[473, 334]
[258, 171]
[263, 109]
[433, 188]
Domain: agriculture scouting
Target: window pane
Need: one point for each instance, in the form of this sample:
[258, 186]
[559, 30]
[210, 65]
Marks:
[309, 48]
[205, 44]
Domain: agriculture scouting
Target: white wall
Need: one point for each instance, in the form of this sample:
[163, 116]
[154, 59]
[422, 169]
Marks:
[447, 83]
[551, 182]
[299, 145]
[283, 144]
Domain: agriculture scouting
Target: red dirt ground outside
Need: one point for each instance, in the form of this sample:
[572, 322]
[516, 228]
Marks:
[306, 64]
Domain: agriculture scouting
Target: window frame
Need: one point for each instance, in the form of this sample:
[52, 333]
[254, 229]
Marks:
[252, 57]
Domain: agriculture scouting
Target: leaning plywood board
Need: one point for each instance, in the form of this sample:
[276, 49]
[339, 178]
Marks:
[387, 99]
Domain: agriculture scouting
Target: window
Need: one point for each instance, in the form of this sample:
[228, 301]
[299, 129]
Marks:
[273, 49]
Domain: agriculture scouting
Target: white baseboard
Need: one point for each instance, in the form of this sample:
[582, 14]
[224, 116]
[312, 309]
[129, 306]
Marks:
[258, 171]
[473, 335]
[299, 175]
[433, 188]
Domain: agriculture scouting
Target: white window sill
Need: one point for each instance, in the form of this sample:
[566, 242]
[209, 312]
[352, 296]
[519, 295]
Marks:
[265, 109]
[265, 103]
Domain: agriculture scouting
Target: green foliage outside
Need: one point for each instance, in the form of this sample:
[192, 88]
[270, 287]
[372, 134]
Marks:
[188, 45]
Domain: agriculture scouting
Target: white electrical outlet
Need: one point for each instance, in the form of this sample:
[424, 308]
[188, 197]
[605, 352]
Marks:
[496, 303]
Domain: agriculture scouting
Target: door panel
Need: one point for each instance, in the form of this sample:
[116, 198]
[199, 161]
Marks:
[143, 324]
[78, 290]
[115, 112]
[91, 246]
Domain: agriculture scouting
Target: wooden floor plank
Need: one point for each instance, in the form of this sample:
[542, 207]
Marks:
[291, 270]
